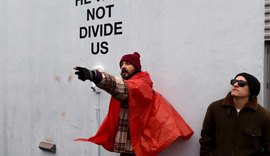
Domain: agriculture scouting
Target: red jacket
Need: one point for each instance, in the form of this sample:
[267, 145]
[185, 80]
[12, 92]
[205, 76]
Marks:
[154, 123]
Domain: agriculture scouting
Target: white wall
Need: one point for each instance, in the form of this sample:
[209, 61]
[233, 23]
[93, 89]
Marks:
[191, 49]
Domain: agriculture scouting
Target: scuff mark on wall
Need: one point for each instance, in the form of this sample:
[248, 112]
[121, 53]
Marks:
[57, 78]
[70, 77]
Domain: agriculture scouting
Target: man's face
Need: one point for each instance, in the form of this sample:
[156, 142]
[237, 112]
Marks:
[127, 70]
[240, 90]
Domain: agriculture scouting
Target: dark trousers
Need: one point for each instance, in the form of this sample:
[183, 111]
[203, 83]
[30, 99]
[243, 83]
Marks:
[127, 154]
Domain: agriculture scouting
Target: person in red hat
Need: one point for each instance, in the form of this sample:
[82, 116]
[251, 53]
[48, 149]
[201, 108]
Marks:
[140, 121]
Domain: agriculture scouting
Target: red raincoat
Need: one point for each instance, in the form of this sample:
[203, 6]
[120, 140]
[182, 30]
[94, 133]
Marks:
[154, 123]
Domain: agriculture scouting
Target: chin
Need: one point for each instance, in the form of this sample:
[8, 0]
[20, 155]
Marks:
[125, 77]
[233, 94]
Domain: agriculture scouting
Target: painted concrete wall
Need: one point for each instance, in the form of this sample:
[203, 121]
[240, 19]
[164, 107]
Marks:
[191, 49]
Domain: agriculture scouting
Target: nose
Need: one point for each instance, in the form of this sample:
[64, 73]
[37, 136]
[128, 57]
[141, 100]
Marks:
[235, 84]
[123, 65]
[122, 68]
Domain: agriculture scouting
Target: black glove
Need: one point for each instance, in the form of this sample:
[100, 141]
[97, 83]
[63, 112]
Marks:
[85, 74]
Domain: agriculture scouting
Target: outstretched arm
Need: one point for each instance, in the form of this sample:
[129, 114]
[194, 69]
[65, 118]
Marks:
[113, 85]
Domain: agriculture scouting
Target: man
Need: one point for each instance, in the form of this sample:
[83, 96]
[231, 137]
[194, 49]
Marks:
[140, 121]
[237, 125]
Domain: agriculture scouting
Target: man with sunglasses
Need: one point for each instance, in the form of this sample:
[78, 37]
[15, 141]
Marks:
[237, 125]
[140, 121]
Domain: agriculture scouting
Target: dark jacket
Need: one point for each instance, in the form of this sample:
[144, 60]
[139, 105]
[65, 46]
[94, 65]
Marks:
[226, 132]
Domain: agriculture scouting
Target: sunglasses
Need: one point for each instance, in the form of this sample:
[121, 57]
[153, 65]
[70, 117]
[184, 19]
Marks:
[240, 83]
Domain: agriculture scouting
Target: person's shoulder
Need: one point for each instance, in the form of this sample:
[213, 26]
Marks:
[264, 111]
[215, 104]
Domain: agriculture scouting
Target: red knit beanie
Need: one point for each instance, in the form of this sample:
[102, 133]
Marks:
[134, 59]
